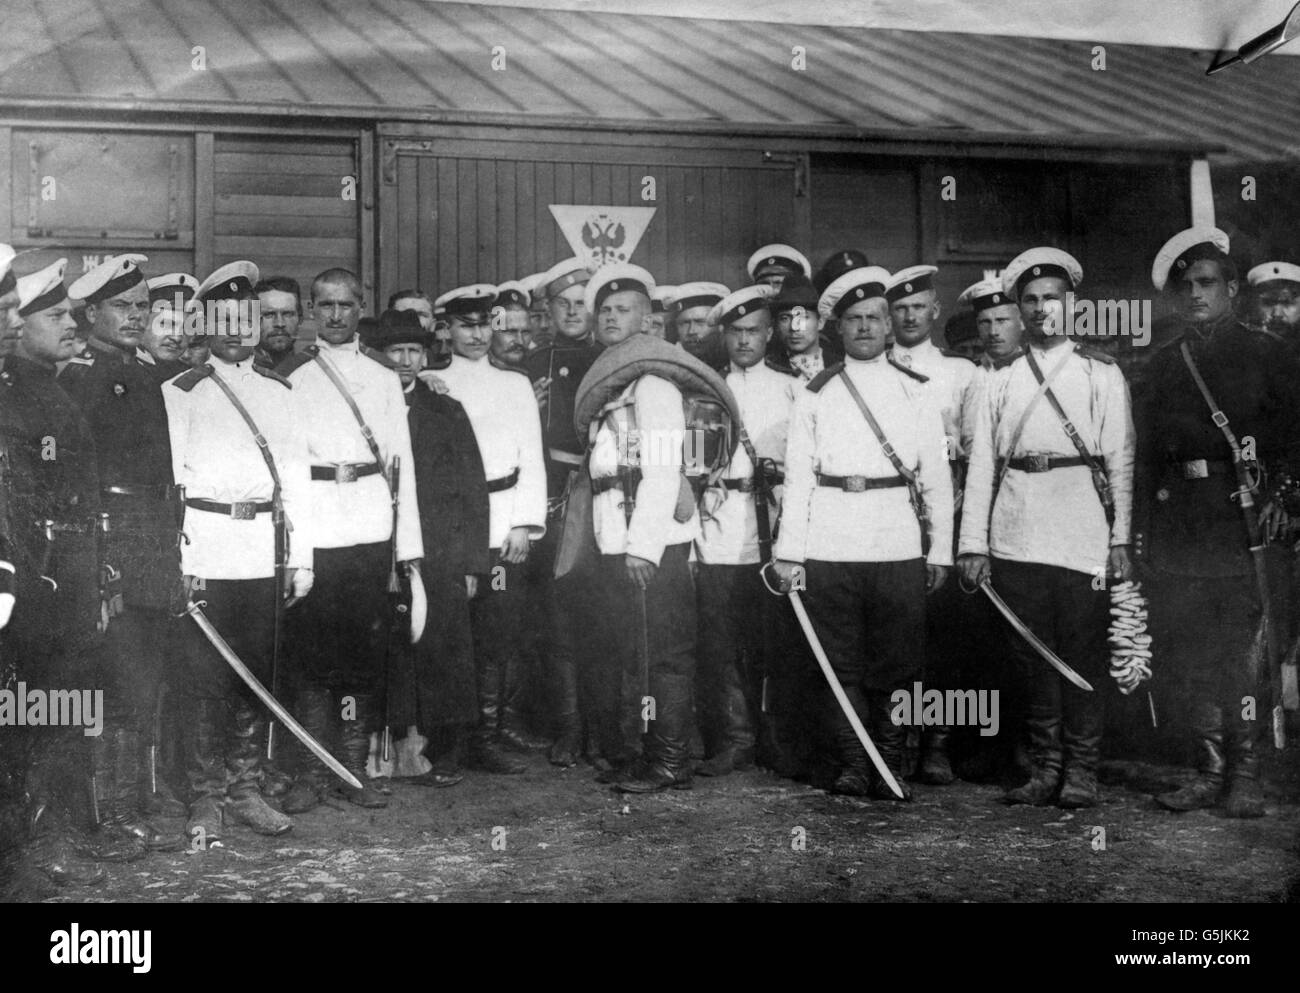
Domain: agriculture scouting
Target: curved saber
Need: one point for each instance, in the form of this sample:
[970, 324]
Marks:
[282, 715]
[815, 644]
[1049, 656]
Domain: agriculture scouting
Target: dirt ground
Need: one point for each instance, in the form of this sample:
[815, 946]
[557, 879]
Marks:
[559, 836]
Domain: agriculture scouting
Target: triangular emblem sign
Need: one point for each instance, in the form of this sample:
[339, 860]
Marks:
[602, 235]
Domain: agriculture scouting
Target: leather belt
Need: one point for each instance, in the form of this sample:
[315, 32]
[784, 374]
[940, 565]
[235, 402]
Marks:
[605, 483]
[860, 484]
[1203, 468]
[504, 483]
[62, 527]
[560, 455]
[158, 491]
[344, 472]
[746, 483]
[1045, 463]
[245, 510]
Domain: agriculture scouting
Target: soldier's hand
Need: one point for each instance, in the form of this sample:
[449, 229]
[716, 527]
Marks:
[300, 582]
[1273, 520]
[542, 391]
[935, 577]
[515, 548]
[1120, 564]
[973, 569]
[433, 381]
[785, 573]
[6, 609]
[640, 571]
[471, 587]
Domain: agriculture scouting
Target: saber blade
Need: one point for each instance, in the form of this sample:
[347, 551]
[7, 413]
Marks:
[815, 644]
[272, 704]
[1036, 643]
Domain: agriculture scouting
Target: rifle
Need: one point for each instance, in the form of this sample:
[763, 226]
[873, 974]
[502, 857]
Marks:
[1268, 636]
[764, 473]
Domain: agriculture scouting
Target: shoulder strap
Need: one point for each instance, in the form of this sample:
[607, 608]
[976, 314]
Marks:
[366, 433]
[1070, 430]
[1043, 386]
[258, 437]
[888, 449]
[1219, 418]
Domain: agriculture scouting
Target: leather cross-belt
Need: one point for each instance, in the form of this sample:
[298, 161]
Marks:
[560, 455]
[344, 472]
[860, 484]
[245, 510]
[1045, 463]
[504, 483]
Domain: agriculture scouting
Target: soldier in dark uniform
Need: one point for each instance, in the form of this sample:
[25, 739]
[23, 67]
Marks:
[435, 692]
[52, 505]
[1275, 301]
[799, 344]
[567, 604]
[122, 402]
[1205, 603]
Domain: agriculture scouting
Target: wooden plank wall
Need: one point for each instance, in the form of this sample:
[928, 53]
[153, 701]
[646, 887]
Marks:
[281, 203]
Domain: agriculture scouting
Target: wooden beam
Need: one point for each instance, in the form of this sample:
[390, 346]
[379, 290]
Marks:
[366, 192]
[204, 203]
[6, 185]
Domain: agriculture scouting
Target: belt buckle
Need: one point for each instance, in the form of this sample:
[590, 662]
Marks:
[1038, 463]
[855, 484]
[245, 510]
[1196, 469]
[746, 485]
[345, 472]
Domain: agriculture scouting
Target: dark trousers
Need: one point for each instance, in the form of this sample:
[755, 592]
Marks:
[1061, 607]
[138, 646]
[339, 634]
[243, 612]
[870, 617]
[732, 601]
[652, 634]
[496, 622]
[1205, 627]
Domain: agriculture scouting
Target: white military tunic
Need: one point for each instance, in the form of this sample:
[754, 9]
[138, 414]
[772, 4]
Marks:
[359, 512]
[949, 377]
[215, 458]
[662, 427]
[729, 535]
[1055, 517]
[508, 427]
[828, 434]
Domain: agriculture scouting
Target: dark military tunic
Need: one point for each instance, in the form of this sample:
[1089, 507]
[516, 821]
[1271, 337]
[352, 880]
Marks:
[1194, 528]
[437, 688]
[122, 402]
[564, 363]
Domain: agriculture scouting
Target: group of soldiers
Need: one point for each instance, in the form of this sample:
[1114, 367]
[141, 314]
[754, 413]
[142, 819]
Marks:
[560, 513]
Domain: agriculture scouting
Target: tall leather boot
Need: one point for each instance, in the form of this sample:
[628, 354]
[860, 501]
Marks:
[244, 769]
[354, 749]
[568, 723]
[735, 724]
[1208, 735]
[512, 730]
[1081, 735]
[1245, 798]
[206, 768]
[935, 768]
[107, 843]
[854, 777]
[1043, 724]
[666, 760]
[890, 740]
[315, 713]
[53, 848]
[484, 752]
[126, 806]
